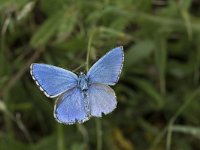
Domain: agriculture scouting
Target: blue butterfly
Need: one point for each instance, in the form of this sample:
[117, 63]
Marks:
[81, 97]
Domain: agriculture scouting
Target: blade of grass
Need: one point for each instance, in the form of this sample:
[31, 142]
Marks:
[149, 90]
[10, 117]
[189, 99]
[161, 59]
[139, 52]
[195, 131]
[168, 128]
[89, 48]
[60, 140]
[188, 25]
[21, 72]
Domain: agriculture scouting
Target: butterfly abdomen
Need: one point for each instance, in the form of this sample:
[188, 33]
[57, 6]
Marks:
[86, 103]
[83, 86]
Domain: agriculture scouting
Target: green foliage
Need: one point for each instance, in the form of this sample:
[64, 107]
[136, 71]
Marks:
[158, 92]
[138, 52]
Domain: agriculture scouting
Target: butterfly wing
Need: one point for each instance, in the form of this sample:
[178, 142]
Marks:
[102, 99]
[69, 108]
[107, 69]
[52, 80]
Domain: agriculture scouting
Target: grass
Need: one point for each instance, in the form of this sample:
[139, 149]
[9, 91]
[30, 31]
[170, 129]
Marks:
[158, 91]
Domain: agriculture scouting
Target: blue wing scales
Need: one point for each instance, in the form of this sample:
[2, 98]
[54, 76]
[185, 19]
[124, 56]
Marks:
[102, 99]
[107, 69]
[52, 80]
[69, 108]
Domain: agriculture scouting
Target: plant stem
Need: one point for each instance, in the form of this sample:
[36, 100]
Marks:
[89, 48]
[99, 134]
[98, 121]
[60, 141]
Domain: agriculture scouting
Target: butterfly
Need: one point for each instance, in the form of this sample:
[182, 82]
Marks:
[84, 96]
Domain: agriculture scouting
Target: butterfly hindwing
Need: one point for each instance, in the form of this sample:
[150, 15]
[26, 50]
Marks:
[107, 69]
[69, 107]
[52, 80]
[102, 99]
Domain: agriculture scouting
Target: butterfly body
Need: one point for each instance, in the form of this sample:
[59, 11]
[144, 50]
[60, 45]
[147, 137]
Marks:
[83, 85]
[83, 82]
[81, 97]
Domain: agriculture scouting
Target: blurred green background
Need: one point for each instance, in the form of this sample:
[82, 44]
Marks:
[158, 92]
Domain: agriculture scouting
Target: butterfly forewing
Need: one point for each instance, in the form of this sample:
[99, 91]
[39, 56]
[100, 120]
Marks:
[52, 80]
[69, 108]
[107, 69]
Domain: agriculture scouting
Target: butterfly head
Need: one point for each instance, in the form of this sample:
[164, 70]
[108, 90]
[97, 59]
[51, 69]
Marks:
[83, 81]
[81, 73]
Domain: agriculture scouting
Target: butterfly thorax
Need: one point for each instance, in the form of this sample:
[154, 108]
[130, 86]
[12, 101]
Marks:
[83, 82]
